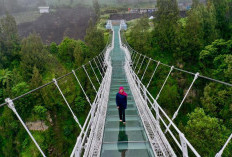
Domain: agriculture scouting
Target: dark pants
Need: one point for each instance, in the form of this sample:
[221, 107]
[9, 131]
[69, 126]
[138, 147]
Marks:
[122, 114]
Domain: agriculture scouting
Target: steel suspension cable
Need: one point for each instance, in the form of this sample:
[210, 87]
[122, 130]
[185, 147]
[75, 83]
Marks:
[12, 107]
[157, 97]
[153, 74]
[74, 116]
[176, 113]
[87, 98]
[89, 78]
[188, 72]
[98, 67]
[137, 62]
[146, 68]
[141, 64]
[94, 72]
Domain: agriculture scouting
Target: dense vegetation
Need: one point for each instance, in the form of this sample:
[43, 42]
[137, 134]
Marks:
[26, 64]
[201, 42]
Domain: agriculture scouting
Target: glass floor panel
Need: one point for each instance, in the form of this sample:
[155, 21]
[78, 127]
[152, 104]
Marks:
[127, 149]
[114, 124]
[128, 112]
[123, 134]
[128, 140]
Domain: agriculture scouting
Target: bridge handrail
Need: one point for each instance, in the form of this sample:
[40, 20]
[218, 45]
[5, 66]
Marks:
[144, 89]
[126, 45]
[77, 150]
[178, 69]
[93, 108]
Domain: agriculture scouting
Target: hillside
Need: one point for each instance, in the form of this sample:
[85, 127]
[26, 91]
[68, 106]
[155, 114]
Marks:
[70, 22]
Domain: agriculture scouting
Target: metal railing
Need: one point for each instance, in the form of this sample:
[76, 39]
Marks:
[184, 144]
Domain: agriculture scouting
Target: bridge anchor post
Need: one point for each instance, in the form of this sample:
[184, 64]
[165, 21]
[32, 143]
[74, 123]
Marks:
[12, 107]
[157, 114]
[184, 145]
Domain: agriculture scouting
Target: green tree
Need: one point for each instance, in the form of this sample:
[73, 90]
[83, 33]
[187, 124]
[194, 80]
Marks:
[25, 105]
[5, 76]
[9, 41]
[223, 20]
[80, 53]
[5, 82]
[199, 30]
[216, 62]
[80, 105]
[205, 133]
[215, 59]
[140, 38]
[195, 3]
[96, 7]
[66, 50]
[165, 24]
[9, 28]
[36, 79]
[33, 54]
[53, 48]
[35, 82]
[209, 23]
[94, 39]
[9, 128]
[40, 110]
[217, 102]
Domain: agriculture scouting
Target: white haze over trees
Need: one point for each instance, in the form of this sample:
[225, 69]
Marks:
[14, 6]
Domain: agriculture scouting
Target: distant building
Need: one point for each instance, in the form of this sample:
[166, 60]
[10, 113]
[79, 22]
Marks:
[141, 10]
[109, 25]
[151, 18]
[184, 6]
[44, 9]
[123, 25]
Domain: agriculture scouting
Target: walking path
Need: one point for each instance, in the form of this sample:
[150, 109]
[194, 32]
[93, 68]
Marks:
[128, 140]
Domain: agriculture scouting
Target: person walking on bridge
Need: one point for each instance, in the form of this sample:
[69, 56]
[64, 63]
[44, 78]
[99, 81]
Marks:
[121, 101]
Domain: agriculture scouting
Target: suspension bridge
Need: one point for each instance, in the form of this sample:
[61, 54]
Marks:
[102, 134]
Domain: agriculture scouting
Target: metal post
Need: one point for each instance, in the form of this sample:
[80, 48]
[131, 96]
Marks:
[137, 62]
[145, 93]
[141, 64]
[153, 74]
[164, 83]
[89, 78]
[12, 107]
[87, 98]
[97, 67]
[133, 62]
[94, 72]
[184, 145]
[78, 149]
[102, 60]
[157, 113]
[219, 154]
[139, 84]
[74, 116]
[146, 68]
[177, 111]
[133, 55]
[100, 64]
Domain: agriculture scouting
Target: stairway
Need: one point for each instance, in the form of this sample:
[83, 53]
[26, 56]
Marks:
[128, 140]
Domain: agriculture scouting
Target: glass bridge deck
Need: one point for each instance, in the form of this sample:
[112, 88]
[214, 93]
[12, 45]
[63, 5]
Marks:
[128, 140]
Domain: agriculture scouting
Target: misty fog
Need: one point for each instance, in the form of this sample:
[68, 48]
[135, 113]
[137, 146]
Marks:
[14, 6]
